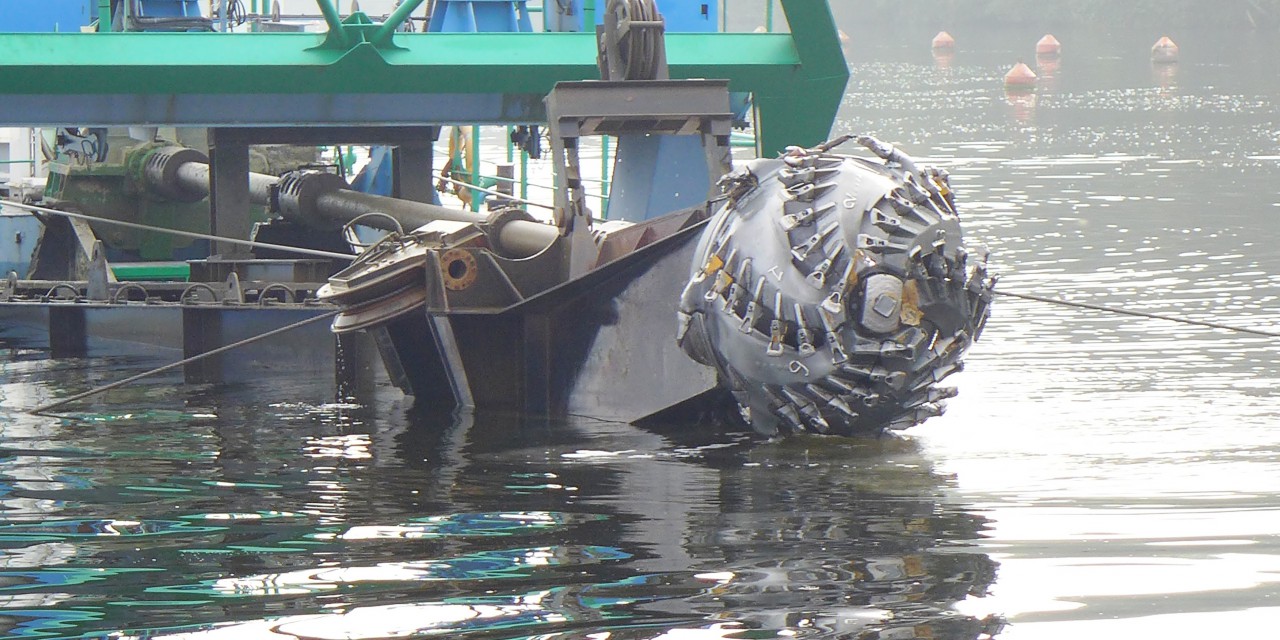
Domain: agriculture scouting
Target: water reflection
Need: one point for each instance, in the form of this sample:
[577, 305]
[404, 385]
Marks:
[1126, 465]
[352, 522]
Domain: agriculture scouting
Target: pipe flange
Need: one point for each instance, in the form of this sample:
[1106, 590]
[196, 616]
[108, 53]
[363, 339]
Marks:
[297, 192]
[161, 172]
[500, 218]
[458, 269]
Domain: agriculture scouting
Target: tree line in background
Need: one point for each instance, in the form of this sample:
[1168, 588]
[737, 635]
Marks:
[1118, 13]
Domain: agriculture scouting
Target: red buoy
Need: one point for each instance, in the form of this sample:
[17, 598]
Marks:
[943, 41]
[1020, 77]
[1048, 46]
[1164, 50]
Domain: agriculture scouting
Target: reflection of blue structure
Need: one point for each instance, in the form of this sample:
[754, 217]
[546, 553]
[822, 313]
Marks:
[46, 15]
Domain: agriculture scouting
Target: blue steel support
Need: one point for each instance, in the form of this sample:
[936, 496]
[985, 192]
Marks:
[376, 176]
[691, 16]
[483, 16]
[22, 16]
[658, 174]
[562, 16]
[684, 16]
[169, 9]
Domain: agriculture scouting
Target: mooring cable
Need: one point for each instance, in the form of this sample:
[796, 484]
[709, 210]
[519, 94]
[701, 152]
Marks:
[185, 361]
[186, 234]
[1138, 314]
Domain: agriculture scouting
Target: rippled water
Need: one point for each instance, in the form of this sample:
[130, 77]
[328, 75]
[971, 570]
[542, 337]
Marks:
[1127, 466]
[1099, 476]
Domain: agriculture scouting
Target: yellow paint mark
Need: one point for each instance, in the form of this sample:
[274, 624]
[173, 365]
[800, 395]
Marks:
[911, 314]
[714, 264]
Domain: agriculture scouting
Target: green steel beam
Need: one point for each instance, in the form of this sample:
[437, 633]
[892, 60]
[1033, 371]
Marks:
[396, 19]
[336, 30]
[819, 81]
[153, 77]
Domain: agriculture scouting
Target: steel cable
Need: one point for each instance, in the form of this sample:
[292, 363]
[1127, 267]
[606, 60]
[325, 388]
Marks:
[212, 352]
[1138, 314]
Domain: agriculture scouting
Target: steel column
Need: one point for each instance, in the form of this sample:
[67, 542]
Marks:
[229, 191]
[411, 167]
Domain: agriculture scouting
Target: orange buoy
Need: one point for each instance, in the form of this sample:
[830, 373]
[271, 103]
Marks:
[1020, 77]
[1048, 46]
[844, 37]
[943, 41]
[1164, 50]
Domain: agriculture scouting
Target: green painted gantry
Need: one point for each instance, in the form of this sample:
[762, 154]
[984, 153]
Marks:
[361, 73]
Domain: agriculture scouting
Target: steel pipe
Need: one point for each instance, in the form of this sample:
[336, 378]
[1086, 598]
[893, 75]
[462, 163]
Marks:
[320, 200]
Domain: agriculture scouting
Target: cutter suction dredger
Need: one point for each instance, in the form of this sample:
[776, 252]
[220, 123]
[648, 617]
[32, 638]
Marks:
[814, 292]
[825, 293]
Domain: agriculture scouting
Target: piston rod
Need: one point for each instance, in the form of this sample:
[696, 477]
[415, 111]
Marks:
[184, 174]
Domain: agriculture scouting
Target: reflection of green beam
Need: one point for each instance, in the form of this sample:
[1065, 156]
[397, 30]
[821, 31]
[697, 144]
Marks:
[798, 83]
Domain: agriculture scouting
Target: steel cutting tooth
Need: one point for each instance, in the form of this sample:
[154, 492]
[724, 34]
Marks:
[851, 393]
[792, 176]
[902, 424]
[932, 395]
[804, 216]
[802, 250]
[891, 349]
[938, 375]
[723, 280]
[831, 400]
[943, 348]
[818, 277]
[683, 319]
[834, 303]
[878, 375]
[804, 339]
[913, 340]
[736, 288]
[903, 208]
[864, 347]
[880, 245]
[809, 192]
[808, 410]
[752, 313]
[783, 408]
[930, 410]
[894, 224]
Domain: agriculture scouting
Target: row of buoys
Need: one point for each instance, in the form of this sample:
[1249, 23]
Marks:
[1021, 77]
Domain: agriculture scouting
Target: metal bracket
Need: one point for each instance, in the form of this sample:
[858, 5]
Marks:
[659, 107]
